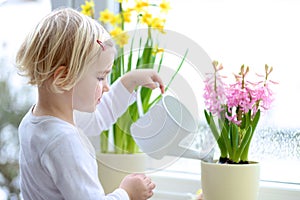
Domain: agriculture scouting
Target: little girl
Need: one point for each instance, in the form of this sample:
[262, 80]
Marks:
[68, 56]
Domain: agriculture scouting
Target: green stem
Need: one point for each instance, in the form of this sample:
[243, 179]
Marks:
[179, 67]
[104, 141]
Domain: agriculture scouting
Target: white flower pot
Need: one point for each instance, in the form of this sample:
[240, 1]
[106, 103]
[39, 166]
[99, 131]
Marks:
[230, 181]
[112, 168]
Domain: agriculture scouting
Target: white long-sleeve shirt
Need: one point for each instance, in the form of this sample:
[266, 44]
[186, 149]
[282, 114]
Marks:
[57, 161]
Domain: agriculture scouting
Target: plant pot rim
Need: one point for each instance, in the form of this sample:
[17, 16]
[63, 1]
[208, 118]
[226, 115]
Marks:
[215, 162]
[120, 154]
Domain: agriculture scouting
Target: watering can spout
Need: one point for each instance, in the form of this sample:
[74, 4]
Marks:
[194, 154]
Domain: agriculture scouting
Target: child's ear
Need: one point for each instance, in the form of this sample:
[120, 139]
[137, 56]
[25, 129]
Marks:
[60, 72]
[59, 77]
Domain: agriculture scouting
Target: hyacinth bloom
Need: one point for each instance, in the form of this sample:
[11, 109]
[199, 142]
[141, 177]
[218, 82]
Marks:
[237, 107]
[214, 91]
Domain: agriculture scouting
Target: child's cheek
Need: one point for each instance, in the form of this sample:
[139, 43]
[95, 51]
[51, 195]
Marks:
[98, 92]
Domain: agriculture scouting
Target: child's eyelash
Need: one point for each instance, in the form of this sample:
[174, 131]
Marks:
[100, 78]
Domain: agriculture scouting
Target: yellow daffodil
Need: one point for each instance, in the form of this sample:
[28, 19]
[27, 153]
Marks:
[147, 18]
[127, 16]
[119, 36]
[157, 50]
[160, 50]
[116, 19]
[116, 31]
[165, 6]
[106, 16]
[88, 8]
[122, 39]
[158, 23]
[140, 5]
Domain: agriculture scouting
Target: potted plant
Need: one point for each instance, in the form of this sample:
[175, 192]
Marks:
[147, 55]
[232, 113]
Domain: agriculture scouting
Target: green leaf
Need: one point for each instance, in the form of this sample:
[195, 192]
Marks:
[222, 147]
[243, 124]
[246, 120]
[160, 62]
[145, 94]
[179, 67]
[138, 63]
[212, 125]
[244, 156]
[146, 60]
[256, 119]
[171, 80]
[225, 135]
[155, 100]
[234, 133]
[104, 141]
[123, 140]
[244, 142]
[129, 64]
[116, 70]
[221, 143]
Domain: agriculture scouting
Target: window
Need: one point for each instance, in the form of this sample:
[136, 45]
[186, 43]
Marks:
[253, 33]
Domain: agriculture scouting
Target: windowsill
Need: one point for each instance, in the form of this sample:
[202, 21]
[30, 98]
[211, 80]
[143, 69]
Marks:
[172, 185]
[278, 191]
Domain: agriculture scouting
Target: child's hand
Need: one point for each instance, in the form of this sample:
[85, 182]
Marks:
[142, 77]
[138, 186]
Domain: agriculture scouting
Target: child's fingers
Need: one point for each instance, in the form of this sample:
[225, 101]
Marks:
[152, 185]
[159, 83]
[161, 87]
[154, 85]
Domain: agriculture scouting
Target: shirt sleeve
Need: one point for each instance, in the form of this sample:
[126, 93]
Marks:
[113, 104]
[74, 171]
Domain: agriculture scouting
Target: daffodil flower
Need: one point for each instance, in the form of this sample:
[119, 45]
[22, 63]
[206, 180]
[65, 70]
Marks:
[106, 16]
[88, 8]
[165, 6]
[120, 36]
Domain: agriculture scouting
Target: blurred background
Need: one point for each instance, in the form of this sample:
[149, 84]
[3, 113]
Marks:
[16, 18]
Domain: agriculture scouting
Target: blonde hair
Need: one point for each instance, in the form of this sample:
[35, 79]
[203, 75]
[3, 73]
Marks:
[65, 37]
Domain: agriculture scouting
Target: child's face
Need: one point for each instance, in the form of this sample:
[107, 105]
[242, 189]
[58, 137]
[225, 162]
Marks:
[88, 91]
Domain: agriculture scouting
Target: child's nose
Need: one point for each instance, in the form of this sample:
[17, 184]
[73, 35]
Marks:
[105, 86]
